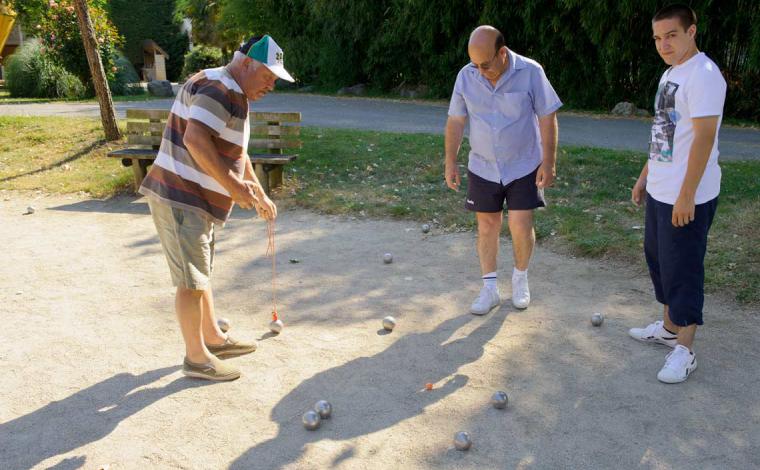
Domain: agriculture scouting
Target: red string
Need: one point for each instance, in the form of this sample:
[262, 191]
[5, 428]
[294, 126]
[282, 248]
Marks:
[271, 252]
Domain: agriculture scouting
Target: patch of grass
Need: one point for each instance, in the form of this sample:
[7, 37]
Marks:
[377, 174]
[58, 155]
[5, 98]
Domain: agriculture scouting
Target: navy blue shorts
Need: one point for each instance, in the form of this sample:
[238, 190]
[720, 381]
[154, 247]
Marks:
[487, 196]
[676, 259]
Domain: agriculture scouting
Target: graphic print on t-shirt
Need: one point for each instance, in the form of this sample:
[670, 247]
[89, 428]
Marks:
[664, 125]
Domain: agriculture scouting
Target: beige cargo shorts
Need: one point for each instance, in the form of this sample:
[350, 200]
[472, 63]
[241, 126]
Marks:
[187, 239]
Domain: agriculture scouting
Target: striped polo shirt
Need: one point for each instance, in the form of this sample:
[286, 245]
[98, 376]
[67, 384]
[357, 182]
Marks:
[215, 100]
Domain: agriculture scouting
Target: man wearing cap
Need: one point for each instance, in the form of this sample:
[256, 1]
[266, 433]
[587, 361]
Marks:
[511, 108]
[201, 170]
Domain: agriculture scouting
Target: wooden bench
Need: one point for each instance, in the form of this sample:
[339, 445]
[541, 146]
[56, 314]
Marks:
[144, 130]
[269, 146]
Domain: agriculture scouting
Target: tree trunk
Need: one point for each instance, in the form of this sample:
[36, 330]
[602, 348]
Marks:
[107, 112]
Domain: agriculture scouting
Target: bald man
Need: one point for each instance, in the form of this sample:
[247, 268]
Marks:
[511, 107]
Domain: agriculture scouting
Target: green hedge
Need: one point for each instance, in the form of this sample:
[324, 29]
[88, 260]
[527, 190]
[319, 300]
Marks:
[596, 53]
[32, 74]
[201, 57]
[150, 19]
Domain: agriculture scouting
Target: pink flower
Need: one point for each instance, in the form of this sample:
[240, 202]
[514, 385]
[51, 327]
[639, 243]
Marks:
[101, 40]
[114, 68]
[52, 37]
[52, 4]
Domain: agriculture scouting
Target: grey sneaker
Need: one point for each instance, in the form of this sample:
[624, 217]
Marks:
[486, 301]
[231, 347]
[215, 369]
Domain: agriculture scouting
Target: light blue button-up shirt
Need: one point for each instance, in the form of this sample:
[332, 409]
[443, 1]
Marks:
[504, 135]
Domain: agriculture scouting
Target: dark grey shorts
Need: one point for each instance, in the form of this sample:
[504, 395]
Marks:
[487, 196]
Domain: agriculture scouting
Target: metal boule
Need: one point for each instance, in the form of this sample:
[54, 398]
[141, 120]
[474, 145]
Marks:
[499, 400]
[387, 258]
[323, 408]
[389, 323]
[425, 228]
[311, 420]
[462, 440]
[597, 319]
[224, 324]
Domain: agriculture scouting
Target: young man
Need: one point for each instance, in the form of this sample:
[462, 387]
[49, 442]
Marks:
[201, 170]
[511, 108]
[682, 182]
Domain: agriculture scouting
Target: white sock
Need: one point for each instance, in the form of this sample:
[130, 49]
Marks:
[517, 274]
[490, 280]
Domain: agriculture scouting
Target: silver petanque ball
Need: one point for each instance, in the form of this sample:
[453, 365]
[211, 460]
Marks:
[276, 326]
[425, 228]
[499, 400]
[462, 440]
[323, 408]
[597, 319]
[389, 323]
[311, 420]
[224, 324]
[387, 258]
[30, 210]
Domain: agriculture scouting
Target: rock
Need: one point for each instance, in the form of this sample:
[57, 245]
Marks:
[624, 109]
[160, 88]
[306, 89]
[356, 90]
[413, 92]
[642, 113]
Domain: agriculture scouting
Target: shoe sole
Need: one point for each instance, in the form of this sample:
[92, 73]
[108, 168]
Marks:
[480, 314]
[214, 378]
[519, 307]
[682, 380]
[232, 353]
[652, 341]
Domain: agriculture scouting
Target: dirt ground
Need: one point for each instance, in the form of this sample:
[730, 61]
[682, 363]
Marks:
[90, 354]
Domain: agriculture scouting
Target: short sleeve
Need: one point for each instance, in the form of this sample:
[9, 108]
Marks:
[706, 92]
[545, 99]
[210, 106]
[457, 105]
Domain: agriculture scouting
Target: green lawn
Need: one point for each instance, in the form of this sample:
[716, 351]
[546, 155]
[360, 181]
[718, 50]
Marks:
[6, 98]
[372, 174]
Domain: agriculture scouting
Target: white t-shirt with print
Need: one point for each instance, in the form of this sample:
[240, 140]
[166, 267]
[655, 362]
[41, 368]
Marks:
[690, 90]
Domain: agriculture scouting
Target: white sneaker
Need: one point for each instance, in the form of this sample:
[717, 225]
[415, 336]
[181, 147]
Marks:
[678, 365]
[520, 292]
[486, 301]
[654, 333]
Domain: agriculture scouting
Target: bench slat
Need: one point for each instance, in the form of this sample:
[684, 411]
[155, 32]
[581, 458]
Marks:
[143, 127]
[152, 140]
[133, 153]
[162, 114]
[276, 117]
[275, 130]
[274, 144]
[272, 159]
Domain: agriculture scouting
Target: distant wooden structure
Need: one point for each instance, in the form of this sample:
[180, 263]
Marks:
[154, 61]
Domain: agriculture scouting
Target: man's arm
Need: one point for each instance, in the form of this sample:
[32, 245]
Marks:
[265, 207]
[197, 140]
[705, 129]
[453, 141]
[547, 125]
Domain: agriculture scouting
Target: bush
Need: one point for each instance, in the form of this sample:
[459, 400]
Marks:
[33, 74]
[130, 18]
[201, 57]
[124, 76]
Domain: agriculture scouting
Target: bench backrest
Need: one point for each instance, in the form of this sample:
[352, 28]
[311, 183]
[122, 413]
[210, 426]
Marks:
[145, 126]
[274, 133]
[271, 133]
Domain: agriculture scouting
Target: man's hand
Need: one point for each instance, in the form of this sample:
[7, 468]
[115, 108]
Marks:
[545, 175]
[637, 193]
[451, 173]
[683, 211]
[264, 206]
[244, 195]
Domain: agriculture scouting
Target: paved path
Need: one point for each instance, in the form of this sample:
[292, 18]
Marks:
[402, 116]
